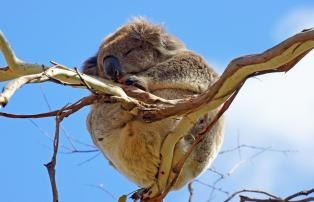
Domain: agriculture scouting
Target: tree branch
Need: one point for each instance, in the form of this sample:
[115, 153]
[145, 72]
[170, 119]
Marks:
[272, 198]
[190, 188]
[16, 67]
[53, 162]
[148, 107]
[68, 110]
[251, 191]
[60, 115]
[301, 193]
[280, 58]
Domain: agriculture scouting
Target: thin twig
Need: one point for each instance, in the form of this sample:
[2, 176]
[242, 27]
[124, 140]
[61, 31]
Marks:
[301, 193]
[101, 187]
[46, 134]
[89, 159]
[84, 82]
[52, 164]
[62, 113]
[272, 198]
[62, 128]
[212, 187]
[70, 109]
[280, 58]
[256, 148]
[190, 188]
[251, 191]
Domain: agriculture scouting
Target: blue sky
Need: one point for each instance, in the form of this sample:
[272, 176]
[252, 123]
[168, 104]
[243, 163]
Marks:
[272, 111]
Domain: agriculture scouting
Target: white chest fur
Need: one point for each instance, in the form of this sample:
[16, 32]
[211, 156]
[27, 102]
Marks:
[132, 146]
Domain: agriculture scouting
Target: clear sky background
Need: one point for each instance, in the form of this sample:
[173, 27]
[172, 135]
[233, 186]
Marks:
[273, 111]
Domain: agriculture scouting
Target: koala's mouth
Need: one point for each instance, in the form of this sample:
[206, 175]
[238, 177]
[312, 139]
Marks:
[123, 79]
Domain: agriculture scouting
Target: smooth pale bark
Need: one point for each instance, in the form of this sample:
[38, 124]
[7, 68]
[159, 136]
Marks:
[280, 58]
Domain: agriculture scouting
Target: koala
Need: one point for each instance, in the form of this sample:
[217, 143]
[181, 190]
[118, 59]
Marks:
[144, 55]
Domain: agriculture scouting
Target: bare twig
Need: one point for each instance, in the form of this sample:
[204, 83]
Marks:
[61, 114]
[222, 176]
[69, 109]
[280, 58]
[212, 187]
[89, 159]
[84, 82]
[301, 193]
[101, 187]
[251, 191]
[272, 198]
[284, 151]
[52, 164]
[190, 188]
[47, 134]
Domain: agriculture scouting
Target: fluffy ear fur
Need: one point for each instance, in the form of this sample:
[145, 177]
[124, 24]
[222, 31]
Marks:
[156, 35]
[140, 28]
[89, 67]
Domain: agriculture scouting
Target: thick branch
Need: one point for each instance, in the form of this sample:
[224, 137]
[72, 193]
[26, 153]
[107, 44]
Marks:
[65, 76]
[16, 67]
[280, 58]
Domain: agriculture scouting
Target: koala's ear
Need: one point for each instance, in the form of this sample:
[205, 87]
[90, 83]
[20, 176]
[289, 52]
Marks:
[89, 67]
[171, 43]
[156, 35]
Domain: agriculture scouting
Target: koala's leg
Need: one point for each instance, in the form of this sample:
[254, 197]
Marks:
[205, 152]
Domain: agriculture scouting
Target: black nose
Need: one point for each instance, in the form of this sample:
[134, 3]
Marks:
[112, 67]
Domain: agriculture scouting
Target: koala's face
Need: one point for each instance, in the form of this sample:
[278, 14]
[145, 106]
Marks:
[134, 48]
[125, 54]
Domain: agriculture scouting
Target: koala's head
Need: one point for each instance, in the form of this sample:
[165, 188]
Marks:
[133, 48]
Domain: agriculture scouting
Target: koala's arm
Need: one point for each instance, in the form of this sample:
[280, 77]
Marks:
[186, 71]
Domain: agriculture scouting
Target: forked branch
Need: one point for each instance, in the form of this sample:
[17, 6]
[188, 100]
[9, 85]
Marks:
[148, 107]
[302, 196]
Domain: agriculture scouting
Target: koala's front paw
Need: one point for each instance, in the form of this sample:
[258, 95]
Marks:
[136, 81]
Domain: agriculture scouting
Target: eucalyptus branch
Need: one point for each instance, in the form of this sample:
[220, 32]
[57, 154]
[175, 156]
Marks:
[148, 107]
[280, 58]
[63, 76]
[16, 67]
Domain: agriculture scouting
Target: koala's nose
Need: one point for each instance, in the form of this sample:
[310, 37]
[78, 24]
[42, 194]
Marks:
[112, 67]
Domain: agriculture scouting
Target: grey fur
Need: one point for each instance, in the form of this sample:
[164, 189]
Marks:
[161, 64]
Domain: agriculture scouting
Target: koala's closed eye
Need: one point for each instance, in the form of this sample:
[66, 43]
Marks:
[144, 55]
[140, 47]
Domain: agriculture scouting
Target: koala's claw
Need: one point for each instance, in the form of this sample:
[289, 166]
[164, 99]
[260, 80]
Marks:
[134, 81]
[129, 82]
